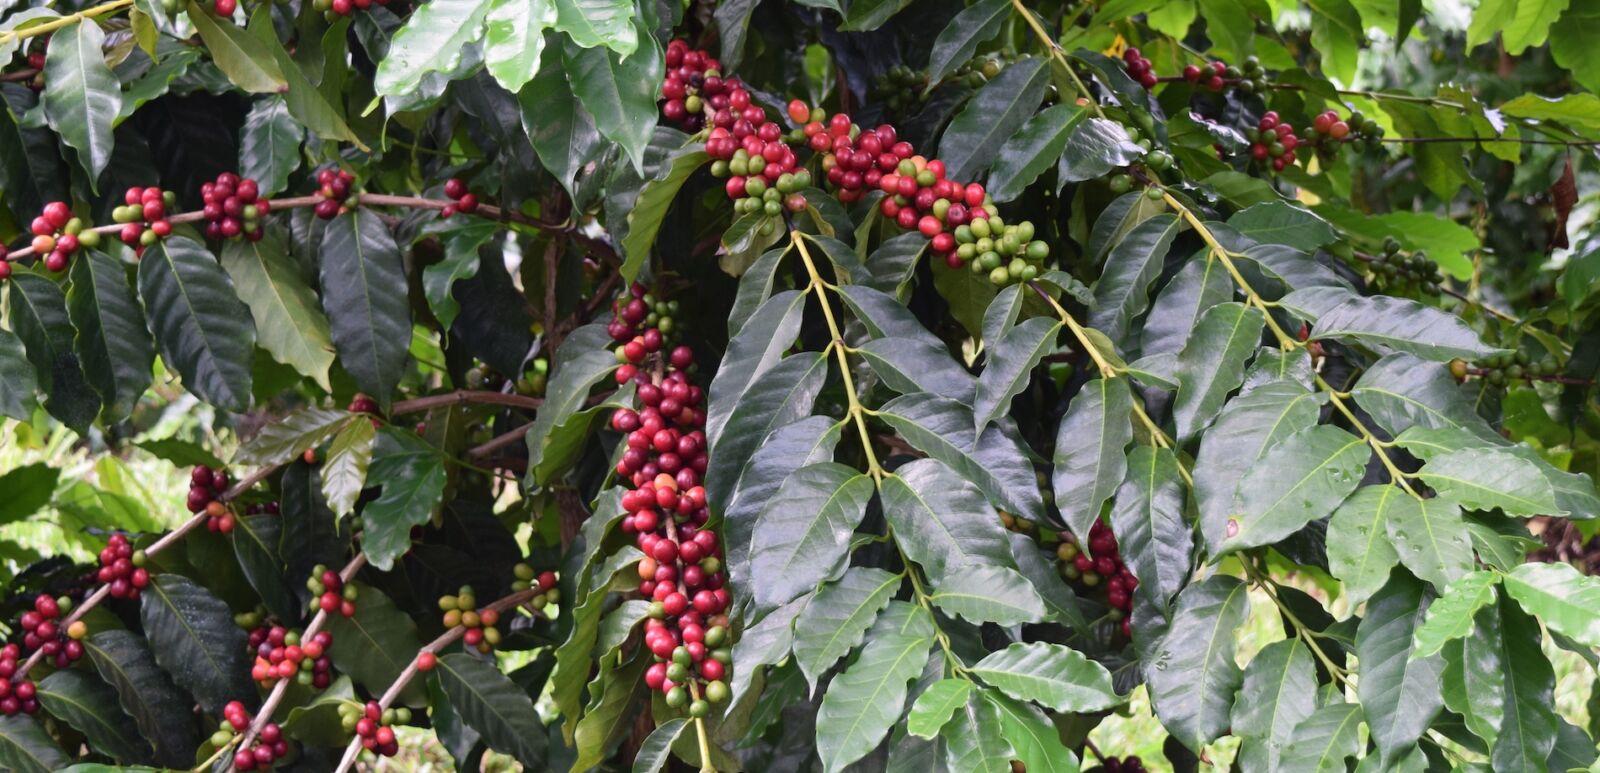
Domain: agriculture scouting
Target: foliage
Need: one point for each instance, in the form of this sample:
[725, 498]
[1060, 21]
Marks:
[898, 386]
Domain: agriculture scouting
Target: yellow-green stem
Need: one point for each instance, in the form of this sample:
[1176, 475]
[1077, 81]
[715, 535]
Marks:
[65, 21]
[836, 343]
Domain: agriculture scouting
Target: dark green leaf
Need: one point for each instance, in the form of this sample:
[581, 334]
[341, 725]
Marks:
[909, 366]
[1430, 538]
[1402, 325]
[1034, 739]
[562, 131]
[1096, 146]
[28, 487]
[203, 330]
[1322, 741]
[1132, 265]
[269, 149]
[988, 593]
[24, 745]
[289, 322]
[18, 384]
[1010, 366]
[864, 701]
[1053, 675]
[782, 395]
[1089, 460]
[364, 292]
[1117, 220]
[246, 59]
[868, 15]
[1040, 569]
[112, 343]
[494, 706]
[289, 437]
[808, 441]
[575, 374]
[994, 114]
[619, 92]
[1359, 551]
[1403, 391]
[995, 461]
[1313, 470]
[1033, 150]
[648, 212]
[318, 722]
[959, 40]
[757, 347]
[1280, 222]
[1279, 690]
[81, 95]
[1212, 363]
[89, 705]
[806, 529]
[1399, 694]
[1528, 731]
[942, 521]
[255, 541]
[413, 488]
[1193, 676]
[194, 638]
[1197, 287]
[375, 645]
[656, 751]
[163, 713]
[1153, 538]
[38, 315]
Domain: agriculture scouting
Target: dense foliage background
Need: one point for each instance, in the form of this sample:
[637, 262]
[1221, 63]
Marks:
[581, 384]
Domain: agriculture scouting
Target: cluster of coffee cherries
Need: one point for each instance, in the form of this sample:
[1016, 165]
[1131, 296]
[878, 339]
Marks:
[1273, 141]
[1005, 253]
[525, 578]
[17, 696]
[694, 87]
[1128, 764]
[206, 487]
[56, 235]
[1251, 78]
[1505, 367]
[269, 747]
[1138, 68]
[43, 632]
[983, 68]
[783, 193]
[1396, 269]
[337, 188]
[756, 156]
[465, 200]
[233, 207]
[330, 593]
[1355, 128]
[122, 568]
[282, 653]
[462, 609]
[332, 9]
[900, 89]
[373, 724]
[1101, 564]
[144, 216]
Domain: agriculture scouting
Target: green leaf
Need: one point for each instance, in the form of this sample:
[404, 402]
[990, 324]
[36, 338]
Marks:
[248, 61]
[28, 487]
[575, 373]
[942, 521]
[1400, 695]
[203, 330]
[1402, 324]
[1089, 460]
[1450, 616]
[973, 739]
[1053, 675]
[656, 751]
[431, 41]
[655, 198]
[990, 594]
[364, 292]
[38, 315]
[975, 136]
[782, 395]
[344, 471]
[1474, 686]
[620, 92]
[1520, 25]
[574, 653]
[1192, 675]
[1033, 150]
[1132, 265]
[1568, 602]
[493, 705]
[89, 705]
[1359, 551]
[413, 488]
[1337, 33]
[255, 542]
[932, 709]
[1402, 391]
[1430, 538]
[1153, 538]
[1094, 147]
[514, 39]
[375, 645]
[592, 23]
[1033, 738]
[868, 15]
[864, 701]
[909, 366]
[1212, 363]
[959, 40]
[81, 95]
[1279, 222]
[806, 530]
[1528, 730]
[194, 638]
[838, 616]
[994, 461]
[289, 321]
[1322, 741]
[1010, 366]
[562, 132]
[1570, 45]
[26, 748]
[1197, 287]
[1312, 471]
[18, 385]
[163, 713]
[1117, 220]
[112, 343]
[307, 103]
[1279, 690]
[289, 437]
[757, 347]
[1489, 478]
[317, 722]
[269, 149]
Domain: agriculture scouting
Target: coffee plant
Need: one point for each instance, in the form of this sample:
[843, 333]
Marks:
[595, 385]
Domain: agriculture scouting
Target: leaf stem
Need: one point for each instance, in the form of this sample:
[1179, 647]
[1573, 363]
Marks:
[1107, 370]
[65, 21]
[924, 601]
[1302, 631]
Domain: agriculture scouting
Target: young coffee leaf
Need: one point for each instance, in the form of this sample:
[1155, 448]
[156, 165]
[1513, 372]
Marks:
[932, 709]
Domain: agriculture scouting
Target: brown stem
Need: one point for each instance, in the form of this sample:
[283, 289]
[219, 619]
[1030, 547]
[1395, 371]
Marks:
[1525, 377]
[500, 442]
[464, 397]
[19, 76]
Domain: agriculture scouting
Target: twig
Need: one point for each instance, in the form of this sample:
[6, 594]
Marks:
[500, 442]
[464, 397]
[66, 21]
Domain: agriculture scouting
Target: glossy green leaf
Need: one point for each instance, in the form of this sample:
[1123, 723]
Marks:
[1488, 478]
[1567, 601]
[28, 488]
[247, 60]
[514, 39]
[289, 437]
[974, 138]
[656, 751]
[959, 40]
[994, 461]
[431, 41]
[89, 705]
[1312, 471]
[928, 493]
[1403, 391]
[1117, 220]
[375, 645]
[1010, 365]
[1153, 538]
[1033, 150]
[1053, 675]
[269, 149]
[25, 747]
[1322, 741]
[789, 448]
[1193, 676]
[1095, 147]
[620, 92]
[1034, 740]
[655, 199]
[973, 738]
[1359, 551]
[782, 395]
[598, 23]
[1132, 265]
[413, 479]
[344, 471]
[838, 616]
[1280, 222]
[202, 329]
[990, 594]
[1279, 690]
[162, 712]
[806, 530]
[868, 15]
[1450, 616]
[1528, 730]
[1197, 287]
[1089, 460]
[364, 292]
[562, 131]
[289, 321]
[1474, 686]
[759, 345]
[81, 95]
[1430, 538]
[493, 705]
[933, 708]
[1212, 363]
[256, 539]
[1402, 325]
[18, 385]
[1400, 695]
[194, 638]
[866, 699]
[39, 317]
[574, 374]
[909, 366]
[112, 343]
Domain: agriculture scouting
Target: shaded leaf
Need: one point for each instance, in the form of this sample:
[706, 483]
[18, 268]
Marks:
[203, 330]
[112, 343]
[1400, 695]
[89, 705]
[1212, 363]
[974, 137]
[493, 705]
[162, 712]
[1089, 460]
[194, 638]
[364, 292]
[1192, 676]
[864, 701]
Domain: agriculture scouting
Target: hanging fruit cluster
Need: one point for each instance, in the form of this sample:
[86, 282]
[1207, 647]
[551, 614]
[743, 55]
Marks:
[269, 747]
[57, 235]
[1138, 68]
[42, 631]
[1398, 271]
[16, 697]
[206, 486]
[122, 569]
[1101, 564]
[1355, 128]
[466, 201]
[693, 87]
[330, 593]
[900, 89]
[144, 216]
[332, 9]
[281, 654]
[337, 187]
[462, 609]
[756, 155]
[233, 207]
[1273, 141]
[1505, 367]
[374, 725]
[545, 582]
